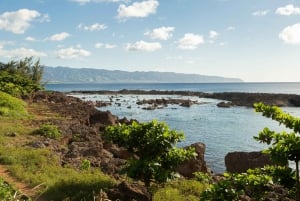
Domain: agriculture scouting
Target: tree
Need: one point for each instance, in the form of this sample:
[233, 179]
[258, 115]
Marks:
[21, 77]
[152, 146]
[284, 146]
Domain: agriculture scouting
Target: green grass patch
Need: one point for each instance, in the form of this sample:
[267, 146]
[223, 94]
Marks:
[11, 106]
[188, 190]
[48, 130]
[41, 167]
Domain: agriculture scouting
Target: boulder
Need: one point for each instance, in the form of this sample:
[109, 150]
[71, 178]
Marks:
[129, 191]
[225, 104]
[238, 162]
[197, 164]
[104, 118]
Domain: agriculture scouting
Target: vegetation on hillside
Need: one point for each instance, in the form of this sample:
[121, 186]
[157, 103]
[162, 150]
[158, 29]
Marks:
[22, 77]
[11, 106]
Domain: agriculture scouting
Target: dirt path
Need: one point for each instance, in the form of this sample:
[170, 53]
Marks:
[23, 188]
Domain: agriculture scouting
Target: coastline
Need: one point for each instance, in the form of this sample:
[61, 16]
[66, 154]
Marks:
[235, 98]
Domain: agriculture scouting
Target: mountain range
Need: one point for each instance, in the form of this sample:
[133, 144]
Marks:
[89, 75]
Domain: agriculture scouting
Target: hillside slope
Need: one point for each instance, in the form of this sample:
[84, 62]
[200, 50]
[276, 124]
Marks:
[86, 75]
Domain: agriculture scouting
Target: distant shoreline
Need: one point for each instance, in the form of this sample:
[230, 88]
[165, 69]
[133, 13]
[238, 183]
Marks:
[235, 98]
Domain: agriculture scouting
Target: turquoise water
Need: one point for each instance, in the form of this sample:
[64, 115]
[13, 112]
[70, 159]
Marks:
[223, 130]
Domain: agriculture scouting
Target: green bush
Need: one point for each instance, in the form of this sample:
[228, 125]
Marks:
[11, 106]
[22, 77]
[85, 165]
[253, 183]
[154, 144]
[48, 130]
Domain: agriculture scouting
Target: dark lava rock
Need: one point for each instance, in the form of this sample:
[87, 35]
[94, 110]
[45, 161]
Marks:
[238, 162]
[132, 191]
[197, 164]
[225, 104]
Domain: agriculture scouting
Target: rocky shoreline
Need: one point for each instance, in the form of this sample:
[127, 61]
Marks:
[231, 98]
[82, 124]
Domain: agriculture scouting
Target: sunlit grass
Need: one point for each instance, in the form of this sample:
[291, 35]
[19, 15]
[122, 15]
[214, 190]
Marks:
[188, 190]
[12, 107]
[39, 167]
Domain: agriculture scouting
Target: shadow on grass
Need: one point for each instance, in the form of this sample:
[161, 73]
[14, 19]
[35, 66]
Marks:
[77, 191]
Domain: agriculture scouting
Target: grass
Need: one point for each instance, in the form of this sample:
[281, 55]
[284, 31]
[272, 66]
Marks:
[187, 190]
[11, 106]
[8, 193]
[41, 168]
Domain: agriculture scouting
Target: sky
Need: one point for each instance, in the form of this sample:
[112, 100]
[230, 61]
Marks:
[254, 40]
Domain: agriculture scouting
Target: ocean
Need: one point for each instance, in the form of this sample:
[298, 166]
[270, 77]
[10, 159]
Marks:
[222, 130]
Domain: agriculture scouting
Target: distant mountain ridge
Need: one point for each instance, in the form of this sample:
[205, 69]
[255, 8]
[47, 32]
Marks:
[88, 75]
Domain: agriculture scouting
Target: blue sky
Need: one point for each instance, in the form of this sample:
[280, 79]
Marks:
[257, 40]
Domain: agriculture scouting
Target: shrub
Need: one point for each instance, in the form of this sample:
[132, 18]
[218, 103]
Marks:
[11, 106]
[48, 130]
[153, 144]
[284, 146]
[85, 165]
[22, 77]
[234, 185]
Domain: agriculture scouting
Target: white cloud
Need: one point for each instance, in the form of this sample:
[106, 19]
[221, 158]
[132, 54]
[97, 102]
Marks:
[291, 34]
[92, 27]
[190, 41]
[260, 12]
[59, 37]
[18, 21]
[21, 52]
[213, 34]
[143, 46]
[99, 45]
[83, 2]
[107, 45]
[110, 46]
[72, 53]
[162, 33]
[230, 28]
[289, 9]
[138, 9]
[29, 38]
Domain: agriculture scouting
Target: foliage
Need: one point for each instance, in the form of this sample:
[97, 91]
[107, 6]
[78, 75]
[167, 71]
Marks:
[284, 146]
[39, 167]
[21, 77]
[234, 185]
[48, 130]
[7, 193]
[85, 165]
[179, 190]
[11, 106]
[282, 175]
[153, 144]
[203, 177]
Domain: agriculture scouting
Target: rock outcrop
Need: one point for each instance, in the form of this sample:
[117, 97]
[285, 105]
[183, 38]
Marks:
[196, 164]
[238, 162]
[236, 98]
[129, 191]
